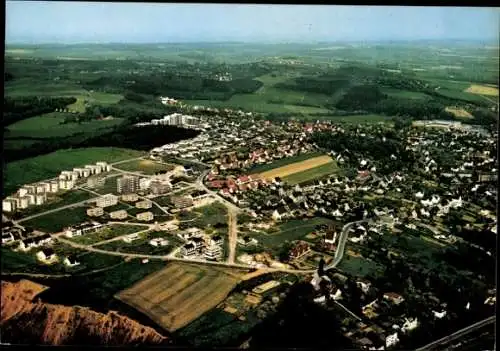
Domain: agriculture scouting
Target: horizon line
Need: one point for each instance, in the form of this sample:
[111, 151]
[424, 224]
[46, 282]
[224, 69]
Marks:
[256, 41]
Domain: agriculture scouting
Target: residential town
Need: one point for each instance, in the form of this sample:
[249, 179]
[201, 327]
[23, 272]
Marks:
[354, 209]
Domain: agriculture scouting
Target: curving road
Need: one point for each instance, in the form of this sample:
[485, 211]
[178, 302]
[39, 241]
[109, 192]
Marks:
[339, 253]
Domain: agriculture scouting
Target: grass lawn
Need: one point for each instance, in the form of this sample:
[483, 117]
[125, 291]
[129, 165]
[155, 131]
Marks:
[49, 126]
[283, 162]
[60, 200]
[290, 231]
[47, 166]
[142, 245]
[311, 174]
[406, 94]
[109, 186]
[56, 221]
[358, 266]
[30, 87]
[144, 166]
[210, 215]
[368, 118]
[95, 98]
[109, 232]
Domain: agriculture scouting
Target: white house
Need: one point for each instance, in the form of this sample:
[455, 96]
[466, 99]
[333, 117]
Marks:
[71, 261]
[439, 315]
[47, 256]
[131, 237]
[158, 242]
[391, 340]
[409, 324]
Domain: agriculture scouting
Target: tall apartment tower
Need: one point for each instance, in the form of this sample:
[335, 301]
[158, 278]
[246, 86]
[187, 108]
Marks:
[127, 184]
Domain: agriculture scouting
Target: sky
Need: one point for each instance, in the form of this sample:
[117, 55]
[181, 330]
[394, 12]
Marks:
[100, 22]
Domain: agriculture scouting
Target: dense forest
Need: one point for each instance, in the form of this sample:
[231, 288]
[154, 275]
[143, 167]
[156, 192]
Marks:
[19, 108]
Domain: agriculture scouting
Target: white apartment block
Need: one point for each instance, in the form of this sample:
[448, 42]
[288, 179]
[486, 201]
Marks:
[105, 167]
[95, 212]
[145, 216]
[24, 202]
[66, 184]
[107, 200]
[54, 186]
[9, 205]
[145, 204]
[130, 197]
[40, 199]
[120, 214]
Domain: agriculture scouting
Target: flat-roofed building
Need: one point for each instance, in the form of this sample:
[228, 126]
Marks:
[31, 198]
[46, 186]
[182, 201]
[120, 214]
[9, 205]
[145, 216]
[107, 200]
[127, 184]
[66, 184]
[54, 186]
[145, 204]
[158, 187]
[40, 199]
[79, 171]
[105, 167]
[95, 211]
[24, 202]
[130, 197]
[94, 182]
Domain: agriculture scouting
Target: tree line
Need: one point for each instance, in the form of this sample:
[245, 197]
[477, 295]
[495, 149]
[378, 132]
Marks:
[19, 108]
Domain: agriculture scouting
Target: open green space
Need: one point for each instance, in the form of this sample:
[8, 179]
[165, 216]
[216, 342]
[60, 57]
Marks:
[358, 266]
[30, 87]
[290, 231]
[51, 125]
[94, 98]
[283, 162]
[56, 221]
[407, 94]
[211, 215]
[142, 245]
[144, 166]
[60, 200]
[47, 166]
[109, 232]
[311, 174]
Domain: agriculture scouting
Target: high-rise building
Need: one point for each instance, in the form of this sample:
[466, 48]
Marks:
[127, 184]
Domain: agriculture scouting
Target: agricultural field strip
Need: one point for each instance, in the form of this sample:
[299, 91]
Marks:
[157, 301]
[482, 90]
[296, 167]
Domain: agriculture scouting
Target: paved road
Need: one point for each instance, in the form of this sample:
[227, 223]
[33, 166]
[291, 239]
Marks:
[339, 253]
[170, 258]
[191, 161]
[55, 210]
[116, 238]
[232, 226]
[458, 334]
[137, 174]
[199, 184]
[128, 160]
